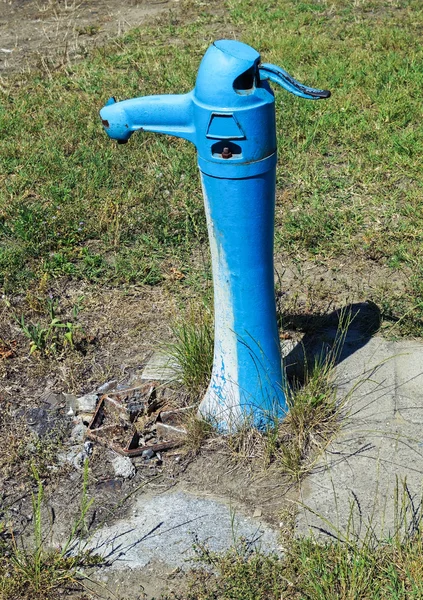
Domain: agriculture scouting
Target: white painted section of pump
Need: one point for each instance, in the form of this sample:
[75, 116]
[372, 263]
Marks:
[221, 403]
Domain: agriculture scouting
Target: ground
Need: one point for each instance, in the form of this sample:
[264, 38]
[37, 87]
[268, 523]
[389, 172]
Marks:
[356, 239]
[52, 33]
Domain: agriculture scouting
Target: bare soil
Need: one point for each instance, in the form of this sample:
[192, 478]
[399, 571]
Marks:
[45, 33]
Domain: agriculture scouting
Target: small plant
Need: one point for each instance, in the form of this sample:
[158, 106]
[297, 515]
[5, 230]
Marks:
[247, 445]
[315, 411]
[40, 572]
[55, 336]
[191, 352]
[89, 30]
[312, 419]
[198, 430]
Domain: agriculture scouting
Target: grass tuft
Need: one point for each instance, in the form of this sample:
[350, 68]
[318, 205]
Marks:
[191, 352]
[31, 570]
[313, 418]
[198, 432]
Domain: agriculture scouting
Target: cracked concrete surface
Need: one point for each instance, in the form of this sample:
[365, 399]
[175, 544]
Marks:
[373, 470]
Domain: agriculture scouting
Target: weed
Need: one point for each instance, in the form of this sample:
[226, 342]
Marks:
[41, 452]
[39, 572]
[198, 431]
[313, 418]
[55, 336]
[191, 352]
[80, 525]
[249, 445]
[89, 30]
[315, 411]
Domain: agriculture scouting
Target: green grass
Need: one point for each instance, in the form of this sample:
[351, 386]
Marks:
[191, 352]
[312, 571]
[74, 204]
[82, 207]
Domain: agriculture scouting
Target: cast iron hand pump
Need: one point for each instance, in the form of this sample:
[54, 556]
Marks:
[230, 117]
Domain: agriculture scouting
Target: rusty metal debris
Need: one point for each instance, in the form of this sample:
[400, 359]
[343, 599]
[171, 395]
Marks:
[171, 423]
[125, 421]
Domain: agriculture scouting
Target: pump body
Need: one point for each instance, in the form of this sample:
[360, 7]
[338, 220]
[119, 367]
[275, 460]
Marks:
[230, 117]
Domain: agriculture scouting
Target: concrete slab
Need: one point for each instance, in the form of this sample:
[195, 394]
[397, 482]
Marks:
[163, 528]
[374, 467]
[160, 368]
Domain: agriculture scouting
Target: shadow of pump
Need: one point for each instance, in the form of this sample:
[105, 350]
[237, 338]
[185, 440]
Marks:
[334, 336]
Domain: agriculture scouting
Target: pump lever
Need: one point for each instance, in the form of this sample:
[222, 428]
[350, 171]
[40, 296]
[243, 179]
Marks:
[285, 80]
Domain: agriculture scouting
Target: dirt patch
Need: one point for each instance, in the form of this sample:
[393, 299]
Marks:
[47, 33]
[307, 289]
[125, 326]
[120, 330]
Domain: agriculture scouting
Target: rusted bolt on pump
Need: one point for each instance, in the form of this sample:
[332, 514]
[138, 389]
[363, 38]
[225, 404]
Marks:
[230, 114]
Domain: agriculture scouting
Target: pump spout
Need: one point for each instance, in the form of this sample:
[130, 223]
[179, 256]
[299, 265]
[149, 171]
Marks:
[170, 114]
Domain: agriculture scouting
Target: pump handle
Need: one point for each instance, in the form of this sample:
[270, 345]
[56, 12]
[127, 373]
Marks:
[282, 78]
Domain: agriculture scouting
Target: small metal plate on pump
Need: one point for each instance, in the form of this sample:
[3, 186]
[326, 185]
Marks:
[224, 127]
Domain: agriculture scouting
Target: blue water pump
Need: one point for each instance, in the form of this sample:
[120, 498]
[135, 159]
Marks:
[230, 117]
